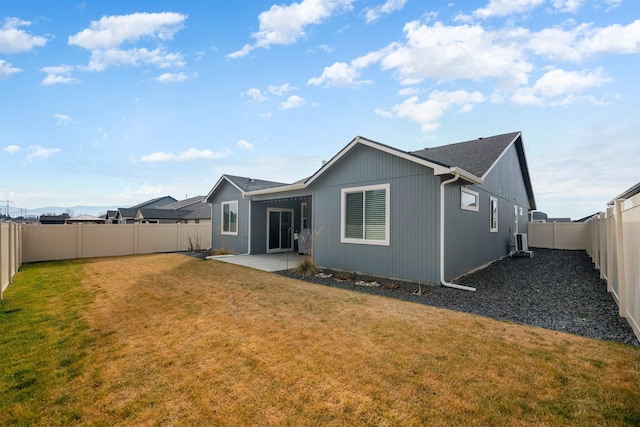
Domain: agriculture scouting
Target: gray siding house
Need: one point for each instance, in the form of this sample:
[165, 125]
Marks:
[428, 215]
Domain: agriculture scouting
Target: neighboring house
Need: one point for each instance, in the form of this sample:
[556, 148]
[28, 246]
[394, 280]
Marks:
[85, 219]
[200, 212]
[54, 219]
[161, 216]
[127, 215]
[538, 216]
[110, 217]
[155, 203]
[429, 215]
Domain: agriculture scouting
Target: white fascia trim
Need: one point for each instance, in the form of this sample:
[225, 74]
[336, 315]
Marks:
[215, 187]
[291, 187]
[465, 175]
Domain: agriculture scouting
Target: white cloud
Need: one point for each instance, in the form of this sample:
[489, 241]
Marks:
[455, 52]
[339, 74]
[294, 101]
[372, 15]
[245, 145]
[500, 8]
[11, 149]
[584, 41]
[102, 59]
[58, 75]
[111, 31]
[567, 6]
[62, 119]
[37, 152]
[7, 69]
[560, 83]
[171, 78]
[255, 94]
[427, 113]
[15, 40]
[190, 154]
[281, 90]
[284, 25]
[105, 37]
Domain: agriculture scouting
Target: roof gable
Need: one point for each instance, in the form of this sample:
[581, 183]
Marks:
[438, 167]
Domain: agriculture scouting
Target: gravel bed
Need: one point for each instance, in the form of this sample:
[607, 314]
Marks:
[556, 289]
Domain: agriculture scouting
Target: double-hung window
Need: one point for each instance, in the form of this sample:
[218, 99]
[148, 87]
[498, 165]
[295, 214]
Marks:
[229, 218]
[493, 214]
[365, 215]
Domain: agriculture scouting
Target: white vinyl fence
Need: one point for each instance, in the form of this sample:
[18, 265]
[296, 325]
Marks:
[10, 252]
[612, 240]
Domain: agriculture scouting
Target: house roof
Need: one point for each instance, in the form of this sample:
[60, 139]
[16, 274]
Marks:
[126, 212]
[244, 184]
[626, 194]
[185, 203]
[152, 201]
[471, 160]
[85, 218]
[476, 156]
[156, 213]
[201, 212]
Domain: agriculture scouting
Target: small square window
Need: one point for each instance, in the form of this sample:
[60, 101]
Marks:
[469, 199]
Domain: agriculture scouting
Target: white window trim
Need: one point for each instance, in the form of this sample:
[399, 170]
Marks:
[493, 200]
[475, 194]
[343, 215]
[228, 233]
[304, 214]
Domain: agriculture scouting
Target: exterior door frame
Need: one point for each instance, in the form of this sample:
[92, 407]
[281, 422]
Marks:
[290, 231]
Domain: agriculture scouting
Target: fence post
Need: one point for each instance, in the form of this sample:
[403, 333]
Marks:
[622, 276]
[135, 238]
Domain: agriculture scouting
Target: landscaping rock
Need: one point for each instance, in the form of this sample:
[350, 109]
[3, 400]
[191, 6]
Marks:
[556, 289]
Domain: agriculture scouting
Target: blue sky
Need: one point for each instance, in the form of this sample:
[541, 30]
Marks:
[113, 103]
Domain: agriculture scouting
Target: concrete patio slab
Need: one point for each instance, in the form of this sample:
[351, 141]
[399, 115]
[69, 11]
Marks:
[264, 262]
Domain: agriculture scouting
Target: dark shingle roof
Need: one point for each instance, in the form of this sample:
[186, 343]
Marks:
[251, 184]
[155, 213]
[184, 204]
[201, 212]
[475, 156]
[148, 203]
[127, 212]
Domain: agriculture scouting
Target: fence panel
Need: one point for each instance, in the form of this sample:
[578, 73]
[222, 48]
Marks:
[630, 236]
[57, 242]
[10, 252]
[558, 235]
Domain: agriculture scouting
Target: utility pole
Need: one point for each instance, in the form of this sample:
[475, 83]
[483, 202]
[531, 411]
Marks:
[7, 212]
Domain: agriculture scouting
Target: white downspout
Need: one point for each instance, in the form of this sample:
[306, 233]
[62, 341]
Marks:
[442, 280]
[248, 227]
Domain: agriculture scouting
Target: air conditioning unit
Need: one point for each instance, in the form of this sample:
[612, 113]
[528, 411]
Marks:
[521, 242]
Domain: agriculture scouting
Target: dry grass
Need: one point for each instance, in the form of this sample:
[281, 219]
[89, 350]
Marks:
[173, 340]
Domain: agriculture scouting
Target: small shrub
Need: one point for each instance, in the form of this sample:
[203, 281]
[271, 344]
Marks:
[194, 243]
[307, 267]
